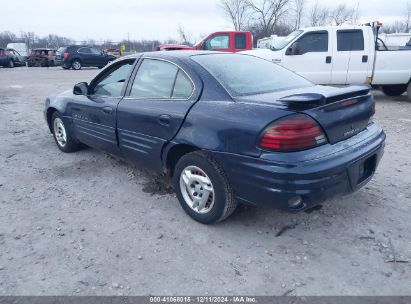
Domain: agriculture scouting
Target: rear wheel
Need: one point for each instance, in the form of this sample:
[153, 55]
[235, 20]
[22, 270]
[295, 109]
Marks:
[394, 90]
[202, 188]
[62, 136]
[11, 64]
[76, 65]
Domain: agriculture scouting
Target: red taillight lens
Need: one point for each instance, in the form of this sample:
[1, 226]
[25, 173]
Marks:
[66, 54]
[292, 133]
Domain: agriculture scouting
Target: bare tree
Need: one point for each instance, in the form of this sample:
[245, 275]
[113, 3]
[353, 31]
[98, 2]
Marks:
[342, 14]
[268, 14]
[299, 6]
[237, 12]
[184, 36]
[319, 15]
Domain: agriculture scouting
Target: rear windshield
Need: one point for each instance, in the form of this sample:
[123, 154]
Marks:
[248, 75]
[61, 50]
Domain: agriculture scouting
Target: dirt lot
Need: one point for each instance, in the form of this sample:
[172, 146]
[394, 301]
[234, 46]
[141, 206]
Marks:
[90, 224]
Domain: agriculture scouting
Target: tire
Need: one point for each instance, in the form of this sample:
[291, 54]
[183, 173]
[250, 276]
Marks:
[11, 64]
[206, 177]
[76, 65]
[62, 136]
[394, 90]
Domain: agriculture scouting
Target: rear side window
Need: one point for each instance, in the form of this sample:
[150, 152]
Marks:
[240, 41]
[313, 42]
[217, 42]
[84, 50]
[160, 79]
[350, 40]
[183, 86]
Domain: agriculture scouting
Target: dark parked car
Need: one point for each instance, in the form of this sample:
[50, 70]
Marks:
[76, 57]
[227, 128]
[10, 58]
[59, 55]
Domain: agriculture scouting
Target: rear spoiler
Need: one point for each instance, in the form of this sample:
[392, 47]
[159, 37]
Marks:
[312, 100]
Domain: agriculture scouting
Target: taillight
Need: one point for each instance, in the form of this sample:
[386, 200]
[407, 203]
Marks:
[66, 54]
[2, 54]
[292, 133]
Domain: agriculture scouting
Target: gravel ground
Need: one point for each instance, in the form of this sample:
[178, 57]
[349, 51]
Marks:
[91, 224]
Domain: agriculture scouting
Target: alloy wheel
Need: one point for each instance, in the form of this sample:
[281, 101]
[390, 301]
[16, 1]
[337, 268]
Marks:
[60, 132]
[197, 189]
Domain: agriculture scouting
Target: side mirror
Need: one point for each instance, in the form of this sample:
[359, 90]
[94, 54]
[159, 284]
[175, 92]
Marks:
[81, 89]
[294, 49]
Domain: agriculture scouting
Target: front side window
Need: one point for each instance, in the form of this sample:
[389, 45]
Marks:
[160, 79]
[247, 75]
[350, 40]
[84, 50]
[217, 42]
[95, 51]
[311, 42]
[112, 82]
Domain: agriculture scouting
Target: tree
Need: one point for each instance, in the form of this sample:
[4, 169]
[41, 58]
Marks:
[299, 6]
[342, 14]
[237, 11]
[319, 15]
[184, 36]
[268, 14]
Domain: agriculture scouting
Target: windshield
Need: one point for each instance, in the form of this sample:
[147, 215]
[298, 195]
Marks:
[243, 75]
[278, 45]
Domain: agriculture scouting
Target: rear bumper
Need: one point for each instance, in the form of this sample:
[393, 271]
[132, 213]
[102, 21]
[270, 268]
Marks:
[4, 60]
[315, 175]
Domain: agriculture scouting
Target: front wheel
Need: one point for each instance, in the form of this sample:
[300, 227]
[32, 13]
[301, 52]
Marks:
[62, 136]
[409, 91]
[203, 189]
[394, 90]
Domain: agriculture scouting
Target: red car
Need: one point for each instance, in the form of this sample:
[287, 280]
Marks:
[228, 41]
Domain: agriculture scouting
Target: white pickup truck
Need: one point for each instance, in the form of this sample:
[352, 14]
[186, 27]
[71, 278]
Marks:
[341, 55]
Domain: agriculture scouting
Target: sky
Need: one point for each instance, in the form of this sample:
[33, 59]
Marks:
[147, 19]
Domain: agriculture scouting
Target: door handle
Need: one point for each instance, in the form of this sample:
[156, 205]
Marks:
[364, 58]
[328, 59]
[164, 120]
[108, 110]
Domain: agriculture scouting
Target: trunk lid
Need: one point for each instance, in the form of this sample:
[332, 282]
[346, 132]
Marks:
[341, 112]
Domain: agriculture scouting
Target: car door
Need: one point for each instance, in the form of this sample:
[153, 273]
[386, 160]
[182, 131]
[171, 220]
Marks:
[158, 99]
[97, 57]
[311, 57]
[86, 56]
[218, 42]
[94, 115]
[352, 43]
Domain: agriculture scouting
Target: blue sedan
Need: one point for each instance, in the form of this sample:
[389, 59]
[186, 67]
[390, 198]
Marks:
[227, 129]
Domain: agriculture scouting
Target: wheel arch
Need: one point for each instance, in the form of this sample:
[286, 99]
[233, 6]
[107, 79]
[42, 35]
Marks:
[49, 115]
[173, 153]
